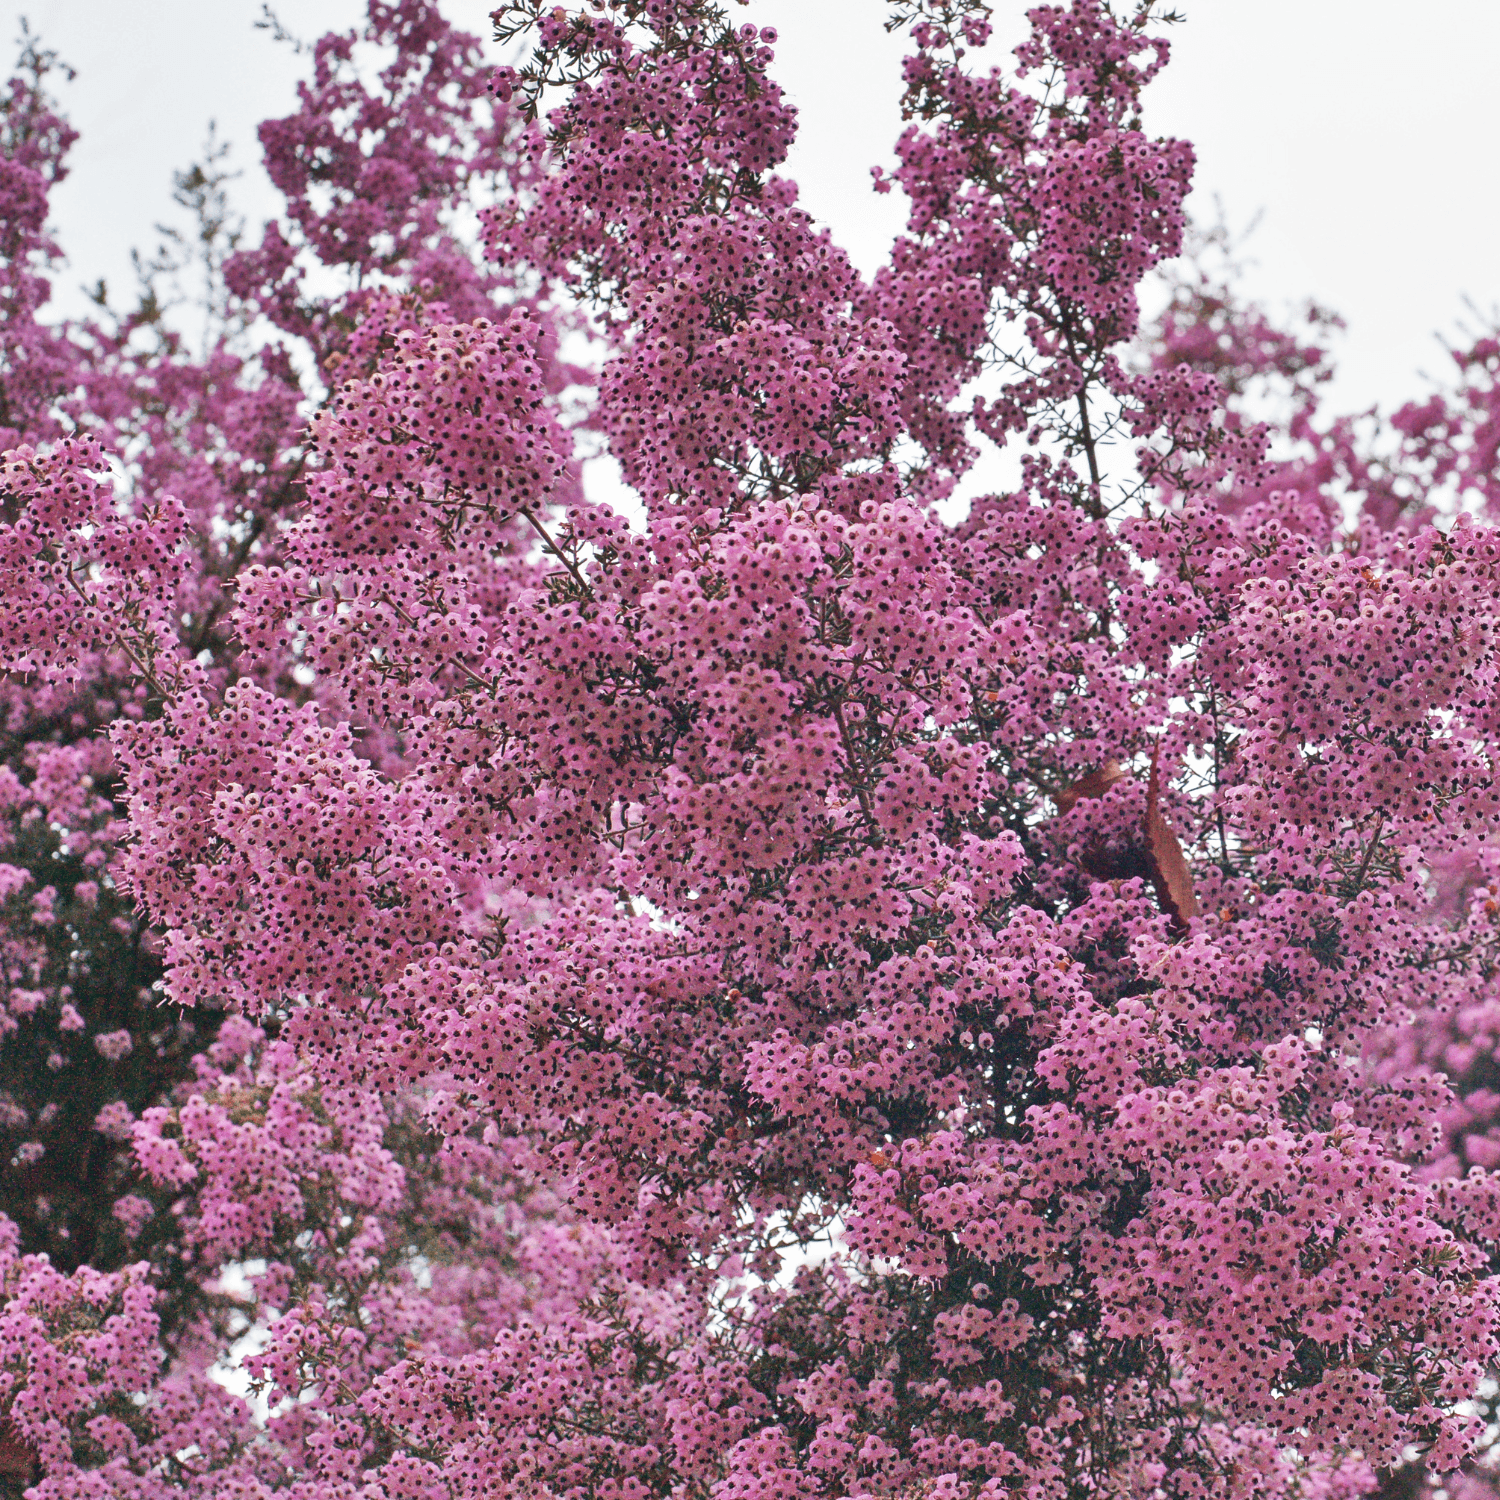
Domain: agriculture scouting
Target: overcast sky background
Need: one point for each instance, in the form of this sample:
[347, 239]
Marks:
[1364, 132]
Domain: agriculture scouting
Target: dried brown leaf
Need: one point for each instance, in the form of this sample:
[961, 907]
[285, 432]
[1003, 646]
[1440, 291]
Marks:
[1169, 867]
[1095, 784]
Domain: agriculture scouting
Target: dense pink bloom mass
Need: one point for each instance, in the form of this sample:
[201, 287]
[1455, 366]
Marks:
[785, 994]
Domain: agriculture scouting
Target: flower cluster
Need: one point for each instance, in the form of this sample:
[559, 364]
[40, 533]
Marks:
[798, 995]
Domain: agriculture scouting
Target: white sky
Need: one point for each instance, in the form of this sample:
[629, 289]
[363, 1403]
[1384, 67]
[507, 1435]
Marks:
[1364, 131]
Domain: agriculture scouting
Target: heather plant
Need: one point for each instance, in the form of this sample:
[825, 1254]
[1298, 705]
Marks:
[791, 994]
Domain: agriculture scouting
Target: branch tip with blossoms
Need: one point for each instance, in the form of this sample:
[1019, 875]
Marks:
[719, 1006]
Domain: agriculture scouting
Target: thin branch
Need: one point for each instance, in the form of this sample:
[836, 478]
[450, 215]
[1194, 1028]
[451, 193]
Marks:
[558, 553]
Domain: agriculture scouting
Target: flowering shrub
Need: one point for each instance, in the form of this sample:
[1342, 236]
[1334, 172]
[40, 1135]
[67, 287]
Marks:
[796, 996]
